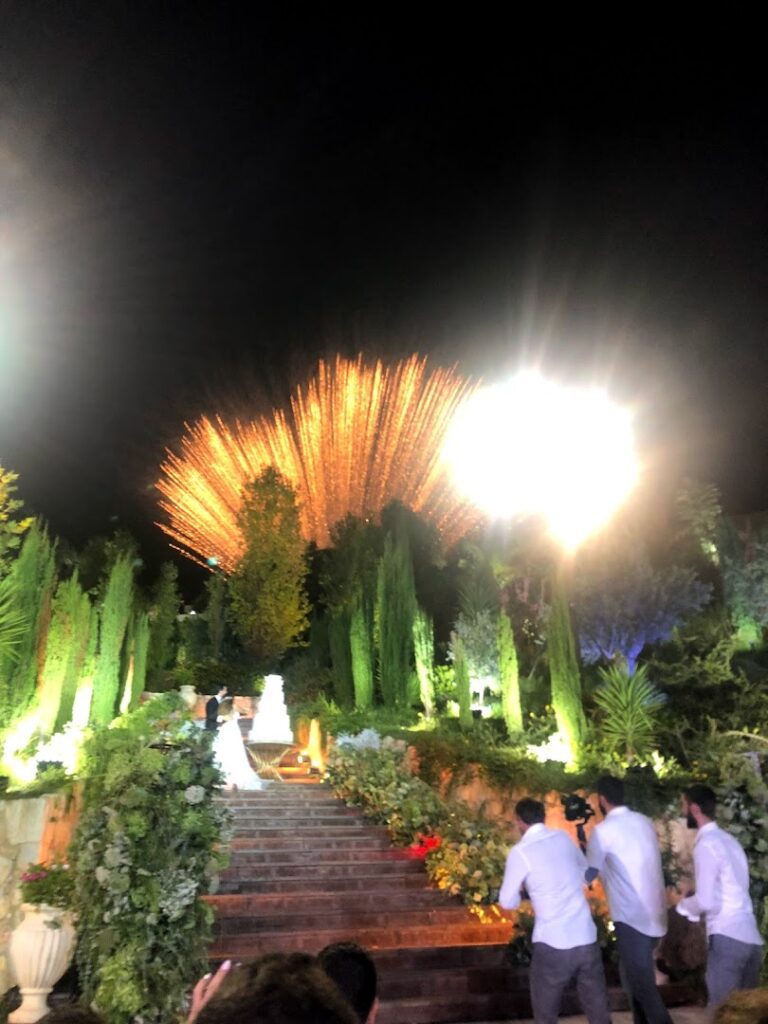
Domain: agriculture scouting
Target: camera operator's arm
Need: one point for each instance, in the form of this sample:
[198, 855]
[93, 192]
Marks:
[595, 857]
[706, 899]
[515, 871]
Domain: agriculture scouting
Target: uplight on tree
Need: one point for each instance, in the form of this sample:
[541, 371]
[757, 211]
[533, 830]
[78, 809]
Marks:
[533, 447]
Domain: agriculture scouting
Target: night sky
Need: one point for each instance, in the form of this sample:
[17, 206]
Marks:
[196, 204]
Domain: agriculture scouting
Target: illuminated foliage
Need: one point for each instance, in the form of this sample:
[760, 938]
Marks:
[461, 673]
[11, 529]
[395, 612]
[113, 622]
[564, 670]
[509, 676]
[424, 653]
[269, 606]
[166, 601]
[64, 651]
[356, 437]
[361, 647]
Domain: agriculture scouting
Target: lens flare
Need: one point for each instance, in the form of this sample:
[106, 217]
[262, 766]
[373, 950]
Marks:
[532, 447]
[356, 437]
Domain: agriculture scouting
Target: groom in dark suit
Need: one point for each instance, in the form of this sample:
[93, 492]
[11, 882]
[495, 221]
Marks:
[212, 709]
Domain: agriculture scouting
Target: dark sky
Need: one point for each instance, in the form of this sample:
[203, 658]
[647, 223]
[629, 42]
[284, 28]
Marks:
[196, 204]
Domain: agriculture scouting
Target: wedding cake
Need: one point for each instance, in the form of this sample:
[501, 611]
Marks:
[271, 723]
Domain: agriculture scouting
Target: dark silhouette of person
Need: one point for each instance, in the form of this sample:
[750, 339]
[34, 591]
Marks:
[212, 710]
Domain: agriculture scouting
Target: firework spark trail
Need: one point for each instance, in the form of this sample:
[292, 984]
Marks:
[357, 436]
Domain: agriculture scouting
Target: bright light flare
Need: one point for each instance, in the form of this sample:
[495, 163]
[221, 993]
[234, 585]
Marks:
[532, 447]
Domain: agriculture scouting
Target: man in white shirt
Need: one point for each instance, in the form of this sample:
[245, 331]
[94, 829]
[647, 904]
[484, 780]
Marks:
[734, 945]
[550, 867]
[624, 850]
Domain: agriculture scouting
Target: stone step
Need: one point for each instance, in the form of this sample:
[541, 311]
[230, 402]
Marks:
[311, 939]
[301, 815]
[341, 828]
[416, 959]
[353, 919]
[341, 882]
[379, 870]
[258, 906]
[311, 856]
[328, 841]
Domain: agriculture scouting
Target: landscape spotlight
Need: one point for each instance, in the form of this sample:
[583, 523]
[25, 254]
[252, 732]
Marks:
[533, 447]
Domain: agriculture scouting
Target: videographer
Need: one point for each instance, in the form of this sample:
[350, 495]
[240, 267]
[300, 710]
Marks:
[624, 850]
[550, 868]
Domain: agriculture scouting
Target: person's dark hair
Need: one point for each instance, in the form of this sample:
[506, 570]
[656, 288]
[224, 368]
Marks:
[612, 789]
[354, 972]
[71, 1013]
[530, 811]
[279, 988]
[703, 796]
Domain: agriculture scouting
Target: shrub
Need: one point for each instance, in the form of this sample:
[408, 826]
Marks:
[51, 885]
[145, 851]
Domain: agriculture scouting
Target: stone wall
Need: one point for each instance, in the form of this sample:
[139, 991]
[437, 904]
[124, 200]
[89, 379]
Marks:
[35, 830]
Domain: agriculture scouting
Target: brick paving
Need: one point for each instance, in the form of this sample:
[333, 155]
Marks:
[306, 870]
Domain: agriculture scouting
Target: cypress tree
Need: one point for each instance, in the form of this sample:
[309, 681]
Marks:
[361, 647]
[81, 706]
[461, 673]
[341, 658]
[424, 653]
[84, 625]
[216, 612]
[166, 601]
[137, 645]
[509, 676]
[564, 670]
[60, 649]
[395, 612]
[115, 613]
[33, 581]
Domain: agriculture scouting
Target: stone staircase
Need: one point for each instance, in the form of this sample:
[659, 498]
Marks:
[306, 871]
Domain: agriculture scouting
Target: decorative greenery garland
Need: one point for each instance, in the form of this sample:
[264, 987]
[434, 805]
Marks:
[148, 846]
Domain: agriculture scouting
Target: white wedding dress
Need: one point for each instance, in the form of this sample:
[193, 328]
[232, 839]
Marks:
[229, 753]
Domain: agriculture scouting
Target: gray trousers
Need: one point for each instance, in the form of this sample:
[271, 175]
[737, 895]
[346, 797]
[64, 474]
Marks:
[552, 969]
[731, 965]
[638, 975]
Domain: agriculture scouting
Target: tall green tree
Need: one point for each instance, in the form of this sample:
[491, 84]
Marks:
[12, 528]
[341, 657]
[63, 649]
[216, 612]
[84, 635]
[115, 614]
[509, 676]
[269, 609]
[166, 601]
[362, 651]
[564, 671]
[33, 582]
[137, 647]
[461, 672]
[424, 654]
[395, 612]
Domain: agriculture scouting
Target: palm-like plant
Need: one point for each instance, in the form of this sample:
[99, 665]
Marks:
[13, 623]
[630, 706]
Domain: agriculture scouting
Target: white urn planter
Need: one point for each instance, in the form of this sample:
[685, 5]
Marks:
[188, 695]
[40, 949]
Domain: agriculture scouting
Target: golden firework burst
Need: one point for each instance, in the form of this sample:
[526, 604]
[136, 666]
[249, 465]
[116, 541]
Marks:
[356, 437]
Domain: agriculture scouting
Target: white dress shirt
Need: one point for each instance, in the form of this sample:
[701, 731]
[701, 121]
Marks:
[552, 868]
[625, 850]
[722, 887]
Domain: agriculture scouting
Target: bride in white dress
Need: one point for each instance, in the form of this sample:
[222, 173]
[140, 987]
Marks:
[229, 752]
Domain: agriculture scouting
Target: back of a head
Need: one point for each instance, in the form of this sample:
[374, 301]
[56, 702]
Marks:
[611, 789]
[280, 988]
[704, 797]
[352, 969]
[530, 811]
[747, 1007]
[71, 1013]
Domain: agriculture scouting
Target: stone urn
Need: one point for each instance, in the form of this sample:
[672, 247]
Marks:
[40, 950]
[189, 695]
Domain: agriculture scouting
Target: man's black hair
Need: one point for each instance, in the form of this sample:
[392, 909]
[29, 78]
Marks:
[703, 796]
[530, 811]
[612, 789]
[354, 972]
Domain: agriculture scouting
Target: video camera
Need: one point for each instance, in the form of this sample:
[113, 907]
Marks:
[577, 809]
